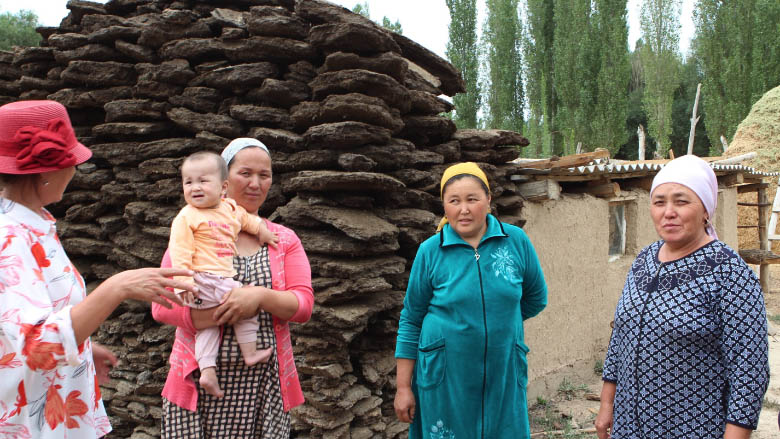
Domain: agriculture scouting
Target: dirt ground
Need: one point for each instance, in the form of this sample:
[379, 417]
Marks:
[570, 413]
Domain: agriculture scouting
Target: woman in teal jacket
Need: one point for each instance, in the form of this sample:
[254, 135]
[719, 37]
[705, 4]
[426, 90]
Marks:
[461, 360]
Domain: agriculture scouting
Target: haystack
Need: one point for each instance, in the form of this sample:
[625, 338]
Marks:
[759, 132]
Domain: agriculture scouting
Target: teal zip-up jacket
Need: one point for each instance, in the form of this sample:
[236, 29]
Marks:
[462, 322]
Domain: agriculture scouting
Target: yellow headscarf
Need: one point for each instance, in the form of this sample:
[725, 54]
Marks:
[469, 168]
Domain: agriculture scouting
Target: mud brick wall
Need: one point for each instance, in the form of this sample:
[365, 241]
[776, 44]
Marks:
[352, 116]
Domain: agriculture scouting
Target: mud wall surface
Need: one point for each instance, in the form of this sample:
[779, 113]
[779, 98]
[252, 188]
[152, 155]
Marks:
[352, 115]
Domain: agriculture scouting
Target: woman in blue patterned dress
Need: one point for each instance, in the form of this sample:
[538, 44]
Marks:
[688, 354]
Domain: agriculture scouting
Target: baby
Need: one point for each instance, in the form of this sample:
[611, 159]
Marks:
[203, 239]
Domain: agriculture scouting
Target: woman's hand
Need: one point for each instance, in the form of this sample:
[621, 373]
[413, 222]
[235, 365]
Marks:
[404, 404]
[147, 284]
[605, 417]
[104, 361]
[604, 422]
[238, 304]
[151, 285]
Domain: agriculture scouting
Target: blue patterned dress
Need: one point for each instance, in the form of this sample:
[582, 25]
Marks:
[689, 348]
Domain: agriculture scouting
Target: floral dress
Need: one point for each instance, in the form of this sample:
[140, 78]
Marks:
[48, 384]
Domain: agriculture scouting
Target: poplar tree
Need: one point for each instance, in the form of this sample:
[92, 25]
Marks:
[542, 101]
[576, 65]
[660, 21]
[463, 53]
[614, 75]
[766, 48]
[738, 48]
[724, 50]
[505, 91]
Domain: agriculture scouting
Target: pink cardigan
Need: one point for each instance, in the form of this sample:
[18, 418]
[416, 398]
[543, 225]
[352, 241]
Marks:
[290, 271]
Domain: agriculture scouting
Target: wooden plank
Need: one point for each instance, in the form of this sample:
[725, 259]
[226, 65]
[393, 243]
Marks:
[736, 159]
[752, 204]
[540, 190]
[658, 161]
[567, 161]
[764, 275]
[763, 219]
[645, 183]
[758, 257]
[751, 187]
[732, 179]
[604, 190]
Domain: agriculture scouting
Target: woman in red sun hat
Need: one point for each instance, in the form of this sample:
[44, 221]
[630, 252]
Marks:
[49, 369]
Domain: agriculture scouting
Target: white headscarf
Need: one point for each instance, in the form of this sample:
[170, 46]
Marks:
[698, 176]
[240, 143]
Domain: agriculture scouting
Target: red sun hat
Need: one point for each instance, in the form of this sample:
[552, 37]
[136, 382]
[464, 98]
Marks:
[37, 136]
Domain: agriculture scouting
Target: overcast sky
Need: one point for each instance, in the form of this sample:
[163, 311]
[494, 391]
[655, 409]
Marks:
[424, 21]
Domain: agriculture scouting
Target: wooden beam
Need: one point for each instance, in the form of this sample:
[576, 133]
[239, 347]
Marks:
[540, 190]
[751, 187]
[694, 120]
[736, 159]
[603, 190]
[772, 232]
[759, 257]
[645, 183]
[763, 218]
[732, 179]
[568, 161]
[640, 133]
[740, 203]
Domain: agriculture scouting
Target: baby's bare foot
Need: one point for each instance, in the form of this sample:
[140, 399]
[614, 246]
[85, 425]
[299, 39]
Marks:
[260, 356]
[209, 382]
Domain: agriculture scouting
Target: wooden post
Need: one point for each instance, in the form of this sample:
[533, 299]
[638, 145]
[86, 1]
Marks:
[764, 274]
[640, 132]
[724, 142]
[694, 120]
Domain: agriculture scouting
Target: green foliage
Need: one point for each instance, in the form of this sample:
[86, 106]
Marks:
[682, 109]
[614, 75]
[660, 31]
[569, 390]
[395, 27]
[362, 9]
[505, 100]
[598, 367]
[576, 64]
[18, 29]
[774, 318]
[738, 47]
[463, 53]
[770, 404]
[539, 61]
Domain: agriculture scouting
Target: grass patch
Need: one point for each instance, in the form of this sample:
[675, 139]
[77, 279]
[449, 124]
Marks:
[770, 404]
[598, 367]
[569, 390]
[775, 318]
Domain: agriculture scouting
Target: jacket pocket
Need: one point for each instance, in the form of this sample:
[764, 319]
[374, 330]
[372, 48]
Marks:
[432, 363]
[521, 354]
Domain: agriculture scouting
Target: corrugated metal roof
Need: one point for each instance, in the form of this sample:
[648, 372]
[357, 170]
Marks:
[635, 168]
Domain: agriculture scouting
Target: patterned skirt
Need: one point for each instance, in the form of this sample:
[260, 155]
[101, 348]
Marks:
[251, 392]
